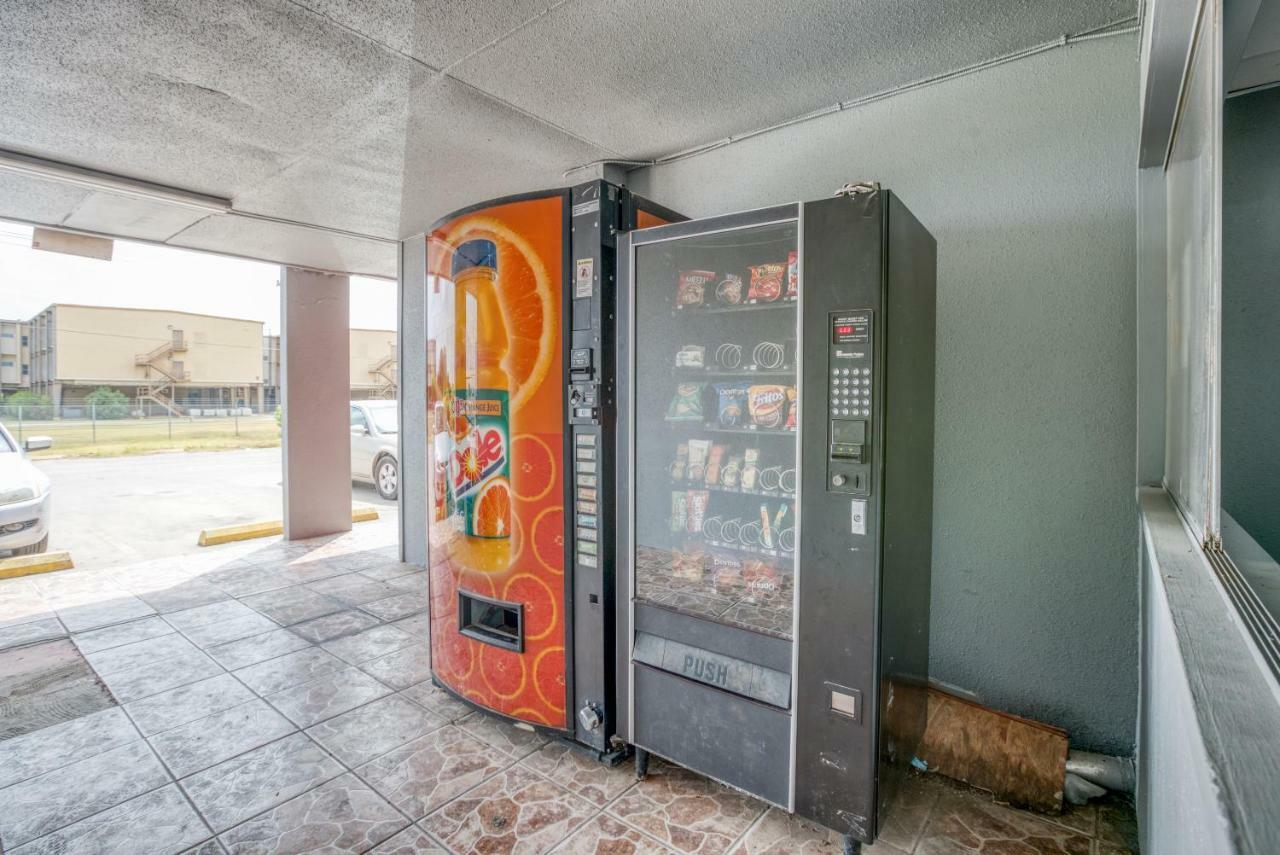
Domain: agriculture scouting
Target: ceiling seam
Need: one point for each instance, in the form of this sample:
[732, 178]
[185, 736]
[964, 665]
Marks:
[1119, 27]
[443, 72]
[508, 34]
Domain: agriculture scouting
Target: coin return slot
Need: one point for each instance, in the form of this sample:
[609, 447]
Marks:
[491, 621]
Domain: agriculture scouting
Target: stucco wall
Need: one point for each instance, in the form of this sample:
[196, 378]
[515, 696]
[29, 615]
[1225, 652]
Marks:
[1025, 175]
[1251, 314]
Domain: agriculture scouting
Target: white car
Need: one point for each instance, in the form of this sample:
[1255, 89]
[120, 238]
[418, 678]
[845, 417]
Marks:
[375, 443]
[24, 497]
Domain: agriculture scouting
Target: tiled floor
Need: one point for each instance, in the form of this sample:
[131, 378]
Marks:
[277, 699]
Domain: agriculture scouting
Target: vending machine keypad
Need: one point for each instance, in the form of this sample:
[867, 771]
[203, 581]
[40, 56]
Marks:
[850, 402]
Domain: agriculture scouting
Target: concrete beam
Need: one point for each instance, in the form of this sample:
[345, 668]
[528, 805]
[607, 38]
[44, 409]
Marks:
[315, 397]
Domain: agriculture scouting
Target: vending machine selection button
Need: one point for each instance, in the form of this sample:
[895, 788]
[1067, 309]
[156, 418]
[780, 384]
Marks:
[586, 480]
[586, 546]
[587, 493]
[587, 520]
[586, 454]
[587, 560]
[586, 507]
[586, 466]
[588, 533]
[586, 439]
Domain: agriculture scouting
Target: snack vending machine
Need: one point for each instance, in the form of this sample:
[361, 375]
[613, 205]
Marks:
[775, 475]
[520, 408]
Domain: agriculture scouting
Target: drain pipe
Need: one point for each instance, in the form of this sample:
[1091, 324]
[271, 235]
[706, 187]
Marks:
[1090, 775]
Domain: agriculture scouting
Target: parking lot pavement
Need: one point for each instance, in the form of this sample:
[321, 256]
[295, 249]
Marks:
[118, 510]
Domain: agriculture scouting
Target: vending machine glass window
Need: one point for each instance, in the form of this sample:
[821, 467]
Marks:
[715, 424]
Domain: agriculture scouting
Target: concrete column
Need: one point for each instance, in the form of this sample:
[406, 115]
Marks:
[314, 398]
[411, 365]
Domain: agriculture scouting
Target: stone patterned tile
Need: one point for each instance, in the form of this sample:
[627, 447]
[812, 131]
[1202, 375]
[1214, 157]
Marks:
[30, 632]
[42, 751]
[187, 703]
[363, 733]
[128, 656]
[368, 644]
[355, 589]
[604, 835]
[334, 626]
[389, 570]
[113, 609]
[1081, 818]
[1105, 848]
[37, 806]
[397, 607]
[907, 816]
[327, 696]
[182, 596]
[781, 833]
[293, 605]
[244, 786]
[438, 701]
[968, 821]
[256, 648]
[247, 581]
[210, 740]
[219, 623]
[418, 626]
[292, 669]
[159, 822]
[402, 669]
[411, 841]
[209, 847]
[1117, 822]
[342, 815]
[422, 775]
[685, 810]
[155, 677]
[507, 738]
[121, 634]
[303, 572]
[580, 773]
[515, 811]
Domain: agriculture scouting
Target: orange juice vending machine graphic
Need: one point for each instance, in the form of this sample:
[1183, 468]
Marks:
[520, 352]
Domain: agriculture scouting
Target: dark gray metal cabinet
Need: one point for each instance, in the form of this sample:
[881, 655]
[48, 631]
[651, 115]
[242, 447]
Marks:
[775, 499]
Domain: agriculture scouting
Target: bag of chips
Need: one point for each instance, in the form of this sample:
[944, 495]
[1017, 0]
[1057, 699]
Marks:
[714, 464]
[678, 465]
[729, 290]
[679, 511]
[686, 406]
[698, 501]
[698, 451]
[791, 408]
[766, 282]
[732, 401]
[732, 472]
[692, 287]
[766, 404]
[793, 274]
[750, 468]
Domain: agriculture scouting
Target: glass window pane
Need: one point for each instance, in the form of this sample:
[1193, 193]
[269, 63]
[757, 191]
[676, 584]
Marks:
[715, 407]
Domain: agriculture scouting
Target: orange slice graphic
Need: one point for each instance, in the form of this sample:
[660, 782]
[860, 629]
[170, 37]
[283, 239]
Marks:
[547, 536]
[491, 516]
[533, 468]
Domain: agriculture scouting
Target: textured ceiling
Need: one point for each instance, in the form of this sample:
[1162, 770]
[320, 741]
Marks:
[370, 119]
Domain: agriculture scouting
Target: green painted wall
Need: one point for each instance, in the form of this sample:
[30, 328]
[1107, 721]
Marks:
[1251, 315]
[1025, 173]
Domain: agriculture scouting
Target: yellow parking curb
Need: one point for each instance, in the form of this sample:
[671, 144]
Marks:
[29, 565]
[270, 528]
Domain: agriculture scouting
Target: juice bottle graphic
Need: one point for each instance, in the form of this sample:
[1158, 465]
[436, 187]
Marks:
[480, 476]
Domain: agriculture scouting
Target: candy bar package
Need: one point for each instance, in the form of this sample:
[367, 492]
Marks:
[714, 464]
[699, 449]
[678, 465]
[761, 579]
[679, 511]
[750, 468]
[729, 290]
[691, 356]
[793, 274]
[791, 408]
[767, 405]
[686, 405]
[692, 290]
[732, 403]
[698, 501]
[732, 472]
[766, 282]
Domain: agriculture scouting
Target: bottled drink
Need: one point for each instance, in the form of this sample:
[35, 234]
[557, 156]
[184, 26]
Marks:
[480, 476]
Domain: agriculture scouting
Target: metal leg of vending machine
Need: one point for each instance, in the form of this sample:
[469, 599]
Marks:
[775, 476]
[520, 350]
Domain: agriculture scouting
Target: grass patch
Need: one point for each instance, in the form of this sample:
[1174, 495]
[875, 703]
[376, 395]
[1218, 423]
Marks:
[123, 437]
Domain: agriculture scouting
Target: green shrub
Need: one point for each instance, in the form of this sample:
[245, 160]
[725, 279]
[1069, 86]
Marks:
[33, 404]
[106, 403]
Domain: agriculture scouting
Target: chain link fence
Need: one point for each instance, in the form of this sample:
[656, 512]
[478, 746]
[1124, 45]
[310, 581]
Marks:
[131, 428]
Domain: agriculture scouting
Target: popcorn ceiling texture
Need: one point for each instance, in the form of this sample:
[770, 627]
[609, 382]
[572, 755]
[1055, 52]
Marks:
[379, 117]
[1025, 175]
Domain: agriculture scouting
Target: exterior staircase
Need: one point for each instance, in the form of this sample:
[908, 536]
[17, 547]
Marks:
[163, 372]
[384, 375]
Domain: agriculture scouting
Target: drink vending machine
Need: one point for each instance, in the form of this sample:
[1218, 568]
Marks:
[520, 404]
[775, 496]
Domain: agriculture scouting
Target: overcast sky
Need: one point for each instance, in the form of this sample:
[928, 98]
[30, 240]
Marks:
[153, 277]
